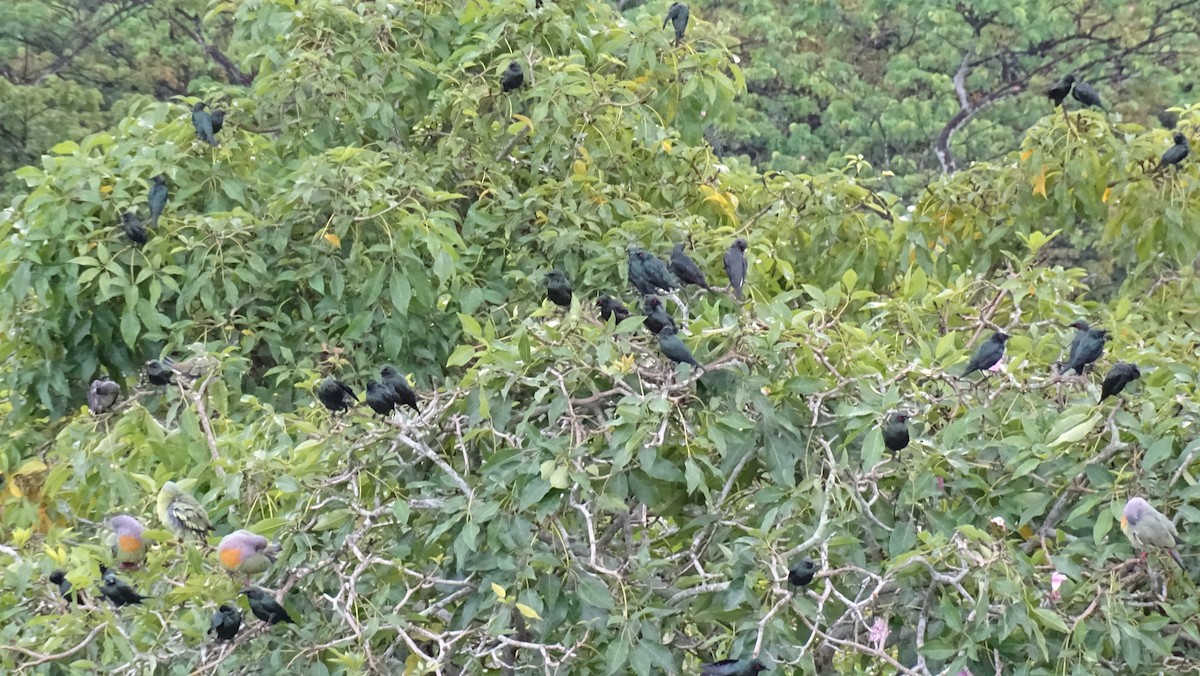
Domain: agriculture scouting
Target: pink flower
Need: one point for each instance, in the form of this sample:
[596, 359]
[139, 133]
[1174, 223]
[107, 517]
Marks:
[879, 633]
[1056, 580]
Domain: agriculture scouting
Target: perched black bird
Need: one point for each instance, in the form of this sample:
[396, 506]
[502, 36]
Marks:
[1168, 119]
[895, 432]
[132, 225]
[203, 123]
[218, 121]
[1175, 154]
[1121, 375]
[648, 274]
[512, 77]
[611, 307]
[656, 315]
[990, 352]
[1081, 329]
[672, 346]
[336, 395]
[677, 16]
[381, 398]
[1086, 347]
[686, 269]
[265, 607]
[733, 668]
[157, 374]
[102, 395]
[59, 577]
[158, 199]
[402, 394]
[117, 590]
[802, 573]
[558, 289]
[1086, 94]
[1061, 90]
[735, 266]
[226, 622]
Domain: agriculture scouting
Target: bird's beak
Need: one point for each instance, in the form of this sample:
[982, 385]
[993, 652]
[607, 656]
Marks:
[1124, 523]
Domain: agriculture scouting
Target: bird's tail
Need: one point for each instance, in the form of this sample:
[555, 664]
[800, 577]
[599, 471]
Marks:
[1175, 555]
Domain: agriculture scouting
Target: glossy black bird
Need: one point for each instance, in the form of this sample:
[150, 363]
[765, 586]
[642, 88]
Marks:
[1121, 375]
[988, 355]
[203, 123]
[677, 16]
[895, 432]
[1175, 154]
[59, 578]
[402, 394]
[656, 315]
[218, 121]
[157, 374]
[648, 274]
[686, 269]
[134, 230]
[102, 395]
[158, 199]
[558, 289]
[733, 668]
[512, 77]
[117, 590]
[226, 622]
[611, 307]
[336, 395]
[1081, 329]
[381, 398]
[735, 266]
[265, 607]
[672, 346]
[1086, 94]
[1061, 90]
[802, 573]
[1086, 348]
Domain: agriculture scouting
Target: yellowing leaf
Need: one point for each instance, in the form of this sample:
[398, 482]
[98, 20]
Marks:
[666, 146]
[521, 118]
[1107, 194]
[499, 591]
[105, 189]
[333, 239]
[579, 167]
[1026, 154]
[32, 466]
[20, 536]
[540, 218]
[528, 612]
[1039, 183]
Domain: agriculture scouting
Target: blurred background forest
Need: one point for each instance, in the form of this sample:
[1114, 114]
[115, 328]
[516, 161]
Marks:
[566, 502]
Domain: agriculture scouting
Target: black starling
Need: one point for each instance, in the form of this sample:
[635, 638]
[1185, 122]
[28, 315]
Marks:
[512, 77]
[656, 315]
[1085, 94]
[132, 225]
[265, 607]
[203, 123]
[802, 573]
[218, 121]
[117, 590]
[558, 289]
[610, 307]
[157, 374]
[158, 199]
[735, 266]
[1175, 154]
[402, 394]
[733, 668]
[895, 432]
[648, 274]
[1081, 329]
[1061, 90]
[226, 622]
[686, 269]
[672, 346]
[336, 395]
[102, 395]
[59, 577]
[677, 16]
[1121, 375]
[1086, 348]
[381, 398]
[988, 355]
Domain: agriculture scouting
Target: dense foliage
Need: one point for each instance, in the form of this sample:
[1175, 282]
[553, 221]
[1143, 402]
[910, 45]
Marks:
[567, 501]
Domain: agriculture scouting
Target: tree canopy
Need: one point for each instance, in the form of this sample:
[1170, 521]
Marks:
[567, 500]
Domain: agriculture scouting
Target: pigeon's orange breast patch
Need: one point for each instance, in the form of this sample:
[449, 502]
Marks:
[129, 543]
[230, 558]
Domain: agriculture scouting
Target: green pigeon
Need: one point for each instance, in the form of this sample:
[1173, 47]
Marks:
[182, 513]
[128, 546]
[245, 552]
[1146, 527]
